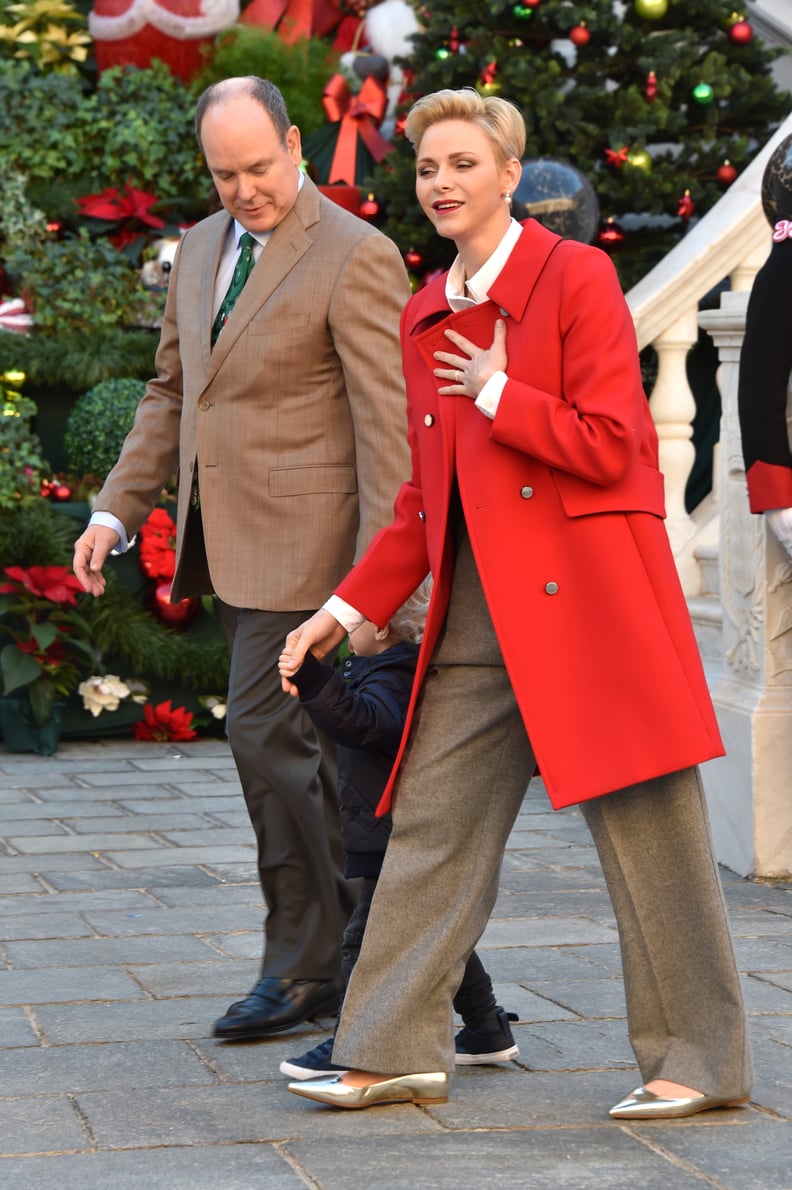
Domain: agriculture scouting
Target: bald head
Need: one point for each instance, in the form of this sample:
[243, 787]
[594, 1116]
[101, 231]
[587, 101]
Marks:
[250, 86]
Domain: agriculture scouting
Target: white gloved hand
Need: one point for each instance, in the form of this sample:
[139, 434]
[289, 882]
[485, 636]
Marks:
[780, 521]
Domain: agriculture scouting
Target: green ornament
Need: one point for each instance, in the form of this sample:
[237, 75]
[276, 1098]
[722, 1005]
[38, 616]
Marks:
[522, 12]
[703, 93]
[443, 53]
[651, 10]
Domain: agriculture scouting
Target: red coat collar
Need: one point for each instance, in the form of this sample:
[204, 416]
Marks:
[512, 288]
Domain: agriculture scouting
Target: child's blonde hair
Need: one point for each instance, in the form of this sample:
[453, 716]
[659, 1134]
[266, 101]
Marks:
[408, 622]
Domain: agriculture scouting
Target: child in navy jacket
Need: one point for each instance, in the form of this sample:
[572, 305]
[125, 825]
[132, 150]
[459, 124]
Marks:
[363, 708]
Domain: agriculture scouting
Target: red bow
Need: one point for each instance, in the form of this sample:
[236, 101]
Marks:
[360, 116]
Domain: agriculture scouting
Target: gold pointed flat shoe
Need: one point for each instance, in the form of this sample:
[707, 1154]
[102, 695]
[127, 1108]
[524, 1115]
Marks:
[645, 1105]
[403, 1088]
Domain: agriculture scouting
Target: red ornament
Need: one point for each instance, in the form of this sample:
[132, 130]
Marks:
[369, 208]
[48, 486]
[175, 614]
[579, 35]
[60, 491]
[610, 235]
[725, 174]
[531, 3]
[413, 259]
[616, 157]
[740, 32]
[650, 90]
[453, 41]
[685, 206]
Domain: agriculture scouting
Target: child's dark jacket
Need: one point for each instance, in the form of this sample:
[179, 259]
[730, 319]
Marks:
[362, 708]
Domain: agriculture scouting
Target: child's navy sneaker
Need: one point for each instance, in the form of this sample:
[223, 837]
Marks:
[314, 1063]
[490, 1042]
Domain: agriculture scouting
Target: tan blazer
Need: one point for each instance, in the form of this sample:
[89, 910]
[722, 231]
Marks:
[296, 418]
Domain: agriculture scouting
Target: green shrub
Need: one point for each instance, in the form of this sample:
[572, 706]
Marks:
[79, 284]
[39, 135]
[138, 127]
[21, 462]
[300, 71]
[98, 424]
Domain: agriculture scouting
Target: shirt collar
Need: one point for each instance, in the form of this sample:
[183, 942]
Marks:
[460, 293]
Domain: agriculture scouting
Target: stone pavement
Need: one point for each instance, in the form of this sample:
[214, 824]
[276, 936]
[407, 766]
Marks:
[131, 916]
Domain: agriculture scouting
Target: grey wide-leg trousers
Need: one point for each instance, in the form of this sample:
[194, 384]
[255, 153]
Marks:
[459, 792]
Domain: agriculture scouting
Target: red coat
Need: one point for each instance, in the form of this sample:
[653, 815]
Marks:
[563, 501]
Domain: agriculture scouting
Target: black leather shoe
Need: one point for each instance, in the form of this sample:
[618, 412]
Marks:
[275, 1005]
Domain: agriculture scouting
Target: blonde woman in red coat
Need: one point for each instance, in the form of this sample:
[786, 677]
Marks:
[558, 637]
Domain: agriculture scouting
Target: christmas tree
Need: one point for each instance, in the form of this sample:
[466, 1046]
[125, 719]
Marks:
[658, 103]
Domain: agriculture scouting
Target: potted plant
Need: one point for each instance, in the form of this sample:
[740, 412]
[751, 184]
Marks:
[46, 648]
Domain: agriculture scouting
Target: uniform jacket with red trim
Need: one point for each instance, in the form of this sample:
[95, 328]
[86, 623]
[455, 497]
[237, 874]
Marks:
[765, 368]
[563, 502]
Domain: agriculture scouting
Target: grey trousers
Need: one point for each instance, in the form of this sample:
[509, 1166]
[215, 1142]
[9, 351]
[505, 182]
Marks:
[287, 772]
[461, 787]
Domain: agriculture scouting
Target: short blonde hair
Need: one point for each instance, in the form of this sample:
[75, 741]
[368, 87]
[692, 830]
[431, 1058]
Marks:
[499, 119]
[409, 621]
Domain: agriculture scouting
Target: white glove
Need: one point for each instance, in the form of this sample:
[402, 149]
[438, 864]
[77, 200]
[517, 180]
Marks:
[780, 521]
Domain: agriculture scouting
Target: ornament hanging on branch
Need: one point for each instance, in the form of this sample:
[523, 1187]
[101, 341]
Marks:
[725, 174]
[703, 94]
[639, 159]
[651, 10]
[610, 236]
[488, 84]
[579, 35]
[616, 157]
[740, 32]
[685, 207]
[369, 208]
[413, 259]
[650, 90]
[523, 12]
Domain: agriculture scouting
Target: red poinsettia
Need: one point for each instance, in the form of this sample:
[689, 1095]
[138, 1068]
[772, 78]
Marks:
[158, 545]
[44, 641]
[56, 583]
[128, 209]
[162, 723]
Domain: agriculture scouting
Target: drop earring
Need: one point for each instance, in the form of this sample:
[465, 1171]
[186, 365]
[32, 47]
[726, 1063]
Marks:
[508, 196]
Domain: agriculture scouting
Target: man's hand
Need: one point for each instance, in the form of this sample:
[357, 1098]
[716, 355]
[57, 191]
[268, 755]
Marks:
[90, 552]
[320, 634]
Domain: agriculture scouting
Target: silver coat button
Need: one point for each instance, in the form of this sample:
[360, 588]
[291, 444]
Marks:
[503, 313]
[428, 420]
[551, 588]
[422, 515]
[526, 492]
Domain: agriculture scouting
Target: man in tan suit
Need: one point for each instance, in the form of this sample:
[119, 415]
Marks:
[289, 436]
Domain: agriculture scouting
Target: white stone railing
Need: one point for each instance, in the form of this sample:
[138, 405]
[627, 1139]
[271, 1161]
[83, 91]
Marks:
[729, 243]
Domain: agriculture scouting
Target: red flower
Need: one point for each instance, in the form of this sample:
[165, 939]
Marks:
[132, 204]
[158, 545]
[55, 583]
[162, 723]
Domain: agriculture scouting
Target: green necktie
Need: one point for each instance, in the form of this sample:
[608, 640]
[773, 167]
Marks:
[242, 270]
